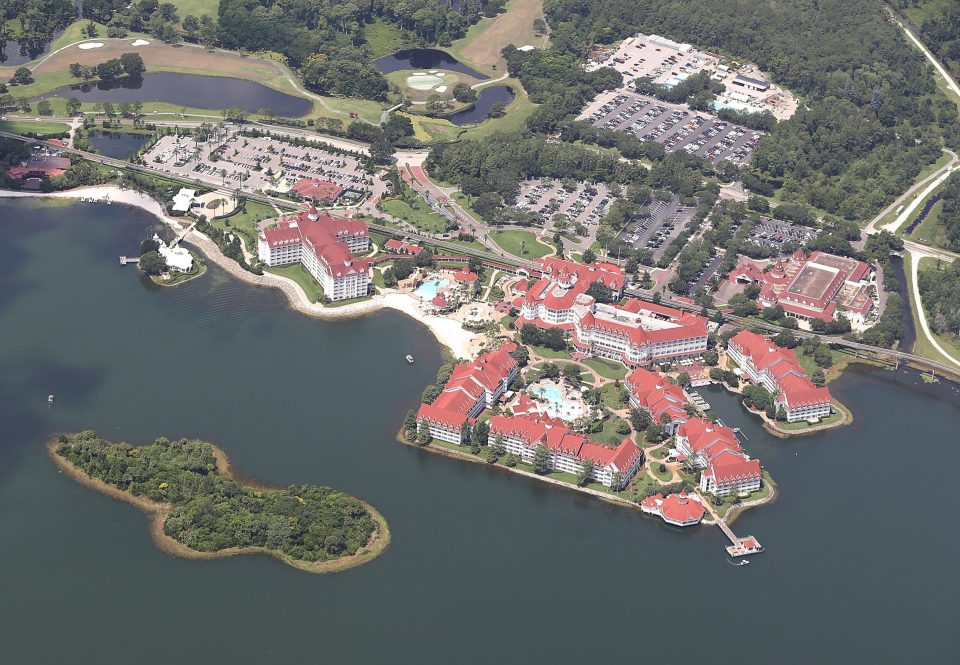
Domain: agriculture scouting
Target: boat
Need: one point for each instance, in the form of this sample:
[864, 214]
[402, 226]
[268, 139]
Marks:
[409, 358]
[49, 400]
[742, 562]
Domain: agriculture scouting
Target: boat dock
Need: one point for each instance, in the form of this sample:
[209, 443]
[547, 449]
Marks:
[698, 400]
[738, 546]
[124, 260]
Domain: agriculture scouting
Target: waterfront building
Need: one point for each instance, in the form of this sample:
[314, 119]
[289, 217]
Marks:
[568, 450]
[658, 396]
[472, 387]
[714, 450]
[822, 286]
[325, 245]
[778, 370]
[395, 246]
[677, 509]
[177, 258]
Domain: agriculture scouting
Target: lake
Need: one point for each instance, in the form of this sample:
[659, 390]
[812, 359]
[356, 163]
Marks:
[424, 58]
[484, 566]
[118, 145]
[191, 91]
[14, 54]
[486, 98]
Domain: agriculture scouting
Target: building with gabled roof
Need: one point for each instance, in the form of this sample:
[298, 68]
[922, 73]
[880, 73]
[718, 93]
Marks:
[778, 370]
[472, 387]
[658, 396]
[679, 509]
[568, 450]
[325, 245]
[715, 450]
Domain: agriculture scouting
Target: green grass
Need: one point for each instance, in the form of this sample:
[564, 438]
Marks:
[950, 344]
[931, 231]
[922, 346]
[196, 8]
[544, 352]
[521, 244]
[423, 218]
[662, 476]
[609, 434]
[383, 38]
[608, 369]
[472, 244]
[245, 221]
[516, 116]
[299, 274]
[610, 393]
[38, 128]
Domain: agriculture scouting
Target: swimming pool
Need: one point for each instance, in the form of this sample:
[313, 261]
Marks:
[559, 406]
[429, 289]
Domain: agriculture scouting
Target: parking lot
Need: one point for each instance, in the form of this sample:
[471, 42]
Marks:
[230, 159]
[777, 234]
[582, 203]
[675, 126]
[657, 226]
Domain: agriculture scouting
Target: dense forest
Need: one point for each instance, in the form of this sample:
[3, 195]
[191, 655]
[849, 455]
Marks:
[940, 292]
[33, 23]
[938, 22]
[869, 123]
[211, 512]
[950, 211]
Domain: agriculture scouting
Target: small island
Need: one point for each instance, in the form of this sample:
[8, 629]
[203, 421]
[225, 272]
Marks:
[200, 510]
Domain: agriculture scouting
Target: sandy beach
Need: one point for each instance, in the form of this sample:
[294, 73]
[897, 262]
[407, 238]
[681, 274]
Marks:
[461, 343]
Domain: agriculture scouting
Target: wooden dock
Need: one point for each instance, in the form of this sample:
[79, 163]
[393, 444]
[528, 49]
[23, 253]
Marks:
[124, 260]
[738, 546]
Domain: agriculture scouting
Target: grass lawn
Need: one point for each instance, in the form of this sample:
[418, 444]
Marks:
[383, 38]
[521, 244]
[433, 130]
[515, 118]
[423, 218]
[662, 476]
[610, 394]
[608, 369]
[245, 221]
[609, 433]
[196, 8]
[39, 128]
[377, 276]
[299, 274]
[484, 41]
[922, 347]
[544, 352]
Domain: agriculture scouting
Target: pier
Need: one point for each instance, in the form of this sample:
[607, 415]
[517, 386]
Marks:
[124, 260]
[738, 546]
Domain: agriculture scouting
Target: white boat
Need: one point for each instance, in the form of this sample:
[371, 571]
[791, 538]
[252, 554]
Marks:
[49, 399]
[409, 358]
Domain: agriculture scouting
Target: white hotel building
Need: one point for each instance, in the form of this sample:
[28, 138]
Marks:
[325, 245]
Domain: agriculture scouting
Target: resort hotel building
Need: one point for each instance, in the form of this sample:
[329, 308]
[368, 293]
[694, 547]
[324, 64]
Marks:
[326, 246]
[779, 371]
[714, 449]
[665, 401]
[472, 387]
[822, 286]
[568, 451]
[677, 509]
[636, 333]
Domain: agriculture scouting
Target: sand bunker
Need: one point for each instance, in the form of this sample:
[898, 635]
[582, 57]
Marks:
[420, 81]
[140, 42]
[90, 45]
[441, 88]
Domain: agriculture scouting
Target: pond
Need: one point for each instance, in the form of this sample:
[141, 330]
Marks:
[481, 109]
[118, 145]
[192, 91]
[424, 58]
[15, 53]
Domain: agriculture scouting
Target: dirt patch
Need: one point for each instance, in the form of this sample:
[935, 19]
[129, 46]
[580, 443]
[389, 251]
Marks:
[158, 512]
[166, 56]
[515, 26]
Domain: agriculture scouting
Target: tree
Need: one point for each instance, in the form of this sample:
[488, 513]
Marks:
[76, 70]
[73, 106]
[410, 424]
[571, 374]
[683, 378]
[521, 355]
[640, 419]
[823, 356]
[541, 460]
[152, 263]
[600, 292]
[589, 256]
[235, 114]
[430, 393]
[480, 433]
[498, 446]
[110, 70]
[132, 65]
[464, 93]
[818, 378]
[586, 468]
[43, 107]
[657, 433]
[423, 433]
[149, 245]
[497, 110]
[22, 76]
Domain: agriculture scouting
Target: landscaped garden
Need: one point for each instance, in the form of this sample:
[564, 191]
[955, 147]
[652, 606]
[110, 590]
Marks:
[521, 244]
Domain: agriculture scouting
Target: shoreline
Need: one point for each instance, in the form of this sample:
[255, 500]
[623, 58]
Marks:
[157, 515]
[448, 332]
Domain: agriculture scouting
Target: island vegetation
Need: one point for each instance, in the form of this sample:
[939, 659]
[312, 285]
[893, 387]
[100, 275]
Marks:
[201, 510]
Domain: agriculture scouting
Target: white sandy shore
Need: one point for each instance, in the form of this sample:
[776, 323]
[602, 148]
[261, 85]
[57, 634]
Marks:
[462, 343]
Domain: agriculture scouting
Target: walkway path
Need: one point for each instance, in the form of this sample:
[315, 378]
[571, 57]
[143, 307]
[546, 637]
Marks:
[489, 81]
[915, 256]
[939, 175]
[932, 58]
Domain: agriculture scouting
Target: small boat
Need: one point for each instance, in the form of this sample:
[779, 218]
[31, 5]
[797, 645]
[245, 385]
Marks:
[49, 400]
[409, 358]
[742, 562]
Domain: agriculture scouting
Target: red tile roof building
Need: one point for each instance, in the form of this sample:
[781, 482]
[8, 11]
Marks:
[676, 509]
[325, 245]
[715, 449]
[821, 286]
[522, 435]
[472, 387]
[636, 333]
[658, 396]
[778, 370]
[399, 247]
[317, 191]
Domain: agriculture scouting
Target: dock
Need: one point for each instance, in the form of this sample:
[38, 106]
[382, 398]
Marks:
[124, 260]
[738, 546]
[698, 400]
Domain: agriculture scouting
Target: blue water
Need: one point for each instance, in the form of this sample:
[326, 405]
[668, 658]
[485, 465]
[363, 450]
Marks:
[481, 108]
[429, 289]
[552, 394]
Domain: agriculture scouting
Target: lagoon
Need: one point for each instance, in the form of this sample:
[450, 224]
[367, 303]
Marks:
[190, 91]
[118, 145]
[424, 59]
[860, 543]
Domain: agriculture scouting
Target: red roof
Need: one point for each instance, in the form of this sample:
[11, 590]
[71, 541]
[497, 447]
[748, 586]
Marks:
[681, 508]
[465, 275]
[400, 247]
[318, 190]
[783, 367]
[325, 235]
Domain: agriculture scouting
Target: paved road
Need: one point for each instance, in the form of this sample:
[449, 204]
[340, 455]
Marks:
[928, 184]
